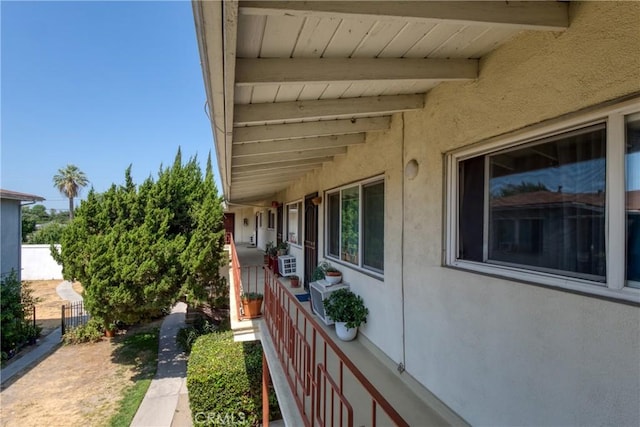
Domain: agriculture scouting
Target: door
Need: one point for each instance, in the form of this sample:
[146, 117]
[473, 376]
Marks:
[279, 221]
[310, 238]
[229, 226]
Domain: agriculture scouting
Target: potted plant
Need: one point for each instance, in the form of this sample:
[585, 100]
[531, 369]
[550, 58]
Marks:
[283, 248]
[332, 275]
[318, 273]
[267, 251]
[348, 311]
[295, 281]
[251, 304]
[273, 258]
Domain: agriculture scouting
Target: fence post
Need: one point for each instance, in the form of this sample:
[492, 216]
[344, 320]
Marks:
[62, 320]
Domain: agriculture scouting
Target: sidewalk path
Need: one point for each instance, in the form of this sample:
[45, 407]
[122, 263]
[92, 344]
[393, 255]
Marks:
[169, 387]
[44, 346]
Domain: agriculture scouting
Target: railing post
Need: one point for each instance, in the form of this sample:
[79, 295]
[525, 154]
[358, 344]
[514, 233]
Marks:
[265, 391]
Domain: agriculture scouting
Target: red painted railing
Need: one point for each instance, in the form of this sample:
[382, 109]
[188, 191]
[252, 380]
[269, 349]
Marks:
[326, 384]
[245, 278]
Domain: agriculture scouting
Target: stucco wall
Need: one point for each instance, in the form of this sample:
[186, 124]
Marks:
[10, 232]
[37, 263]
[498, 352]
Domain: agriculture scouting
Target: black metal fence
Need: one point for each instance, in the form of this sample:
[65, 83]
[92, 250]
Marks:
[73, 315]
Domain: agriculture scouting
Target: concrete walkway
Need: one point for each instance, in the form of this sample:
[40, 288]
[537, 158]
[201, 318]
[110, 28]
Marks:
[44, 346]
[166, 401]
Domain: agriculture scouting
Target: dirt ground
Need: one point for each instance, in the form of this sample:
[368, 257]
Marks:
[74, 386]
[49, 308]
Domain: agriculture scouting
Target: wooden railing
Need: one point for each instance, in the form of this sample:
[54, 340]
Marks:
[326, 384]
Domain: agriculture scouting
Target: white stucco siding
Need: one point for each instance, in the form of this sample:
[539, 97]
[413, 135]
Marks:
[496, 351]
[380, 156]
[499, 352]
[11, 236]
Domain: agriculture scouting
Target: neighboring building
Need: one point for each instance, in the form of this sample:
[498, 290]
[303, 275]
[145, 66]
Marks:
[11, 203]
[466, 166]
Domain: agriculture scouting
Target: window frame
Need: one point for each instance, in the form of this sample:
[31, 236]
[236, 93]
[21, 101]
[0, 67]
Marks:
[361, 267]
[300, 222]
[615, 285]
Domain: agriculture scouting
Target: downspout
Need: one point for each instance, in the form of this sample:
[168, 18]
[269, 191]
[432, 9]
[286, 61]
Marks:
[402, 364]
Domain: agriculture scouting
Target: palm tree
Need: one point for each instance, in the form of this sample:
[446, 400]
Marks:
[69, 181]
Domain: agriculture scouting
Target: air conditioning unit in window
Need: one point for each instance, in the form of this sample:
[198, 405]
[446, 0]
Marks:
[319, 291]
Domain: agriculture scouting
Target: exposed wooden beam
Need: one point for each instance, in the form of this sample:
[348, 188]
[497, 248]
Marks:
[255, 71]
[298, 144]
[262, 181]
[307, 164]
[284, 157]
[262, 186]
[310, 129]
[532, 15]
[252, 114]
[282, 173]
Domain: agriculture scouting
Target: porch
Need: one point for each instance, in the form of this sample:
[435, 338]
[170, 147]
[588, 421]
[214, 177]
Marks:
[319, 379]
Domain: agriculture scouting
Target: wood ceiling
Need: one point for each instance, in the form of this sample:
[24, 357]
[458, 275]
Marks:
[292, 84]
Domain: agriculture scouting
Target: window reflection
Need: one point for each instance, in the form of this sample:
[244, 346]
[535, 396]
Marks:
[632, 187]
[547, 204]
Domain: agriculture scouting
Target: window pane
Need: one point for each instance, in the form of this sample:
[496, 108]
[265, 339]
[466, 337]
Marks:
[350, 219]
[547, 205]
[333, 223]
[632, 168]
[300, 234]
[292, 223]
[373, 225]
[471, 216]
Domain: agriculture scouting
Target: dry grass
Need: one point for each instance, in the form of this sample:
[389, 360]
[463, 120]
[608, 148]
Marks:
[48, 310]
[77, 385]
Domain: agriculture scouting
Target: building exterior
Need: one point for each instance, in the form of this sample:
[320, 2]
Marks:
[472, 168]
[11, 231]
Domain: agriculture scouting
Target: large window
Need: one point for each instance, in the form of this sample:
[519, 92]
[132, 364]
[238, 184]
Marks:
[355, 224]
[552, 208]
[632, 187]
[294, 223]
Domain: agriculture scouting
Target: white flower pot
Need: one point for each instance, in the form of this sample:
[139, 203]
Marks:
[344, 333]
[333, 279]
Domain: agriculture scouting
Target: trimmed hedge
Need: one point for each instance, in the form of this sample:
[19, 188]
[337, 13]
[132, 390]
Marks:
[224, 379]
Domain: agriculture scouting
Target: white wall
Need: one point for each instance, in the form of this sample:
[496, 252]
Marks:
[496, 351]
[10, 236]
[37, 263]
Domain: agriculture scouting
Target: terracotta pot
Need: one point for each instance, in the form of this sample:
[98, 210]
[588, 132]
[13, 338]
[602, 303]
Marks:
[295, 282]
[252, 308]
[109, 333]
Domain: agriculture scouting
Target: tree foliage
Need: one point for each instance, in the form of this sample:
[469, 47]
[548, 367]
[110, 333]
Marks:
[16, 314]
[40, 226]
[69, 181]
[138, 249]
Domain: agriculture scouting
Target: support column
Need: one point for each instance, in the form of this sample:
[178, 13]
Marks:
[265, 391]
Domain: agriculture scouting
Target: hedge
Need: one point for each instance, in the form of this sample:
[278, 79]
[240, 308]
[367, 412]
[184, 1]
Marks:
[224, 379]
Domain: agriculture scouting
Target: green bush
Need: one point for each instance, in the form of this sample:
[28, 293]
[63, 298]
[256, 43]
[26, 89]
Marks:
[89, 332]
[224, 379]
[16, 314]
[187, 336]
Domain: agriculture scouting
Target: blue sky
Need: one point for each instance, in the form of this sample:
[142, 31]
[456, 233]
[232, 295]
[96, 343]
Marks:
[100, 85]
